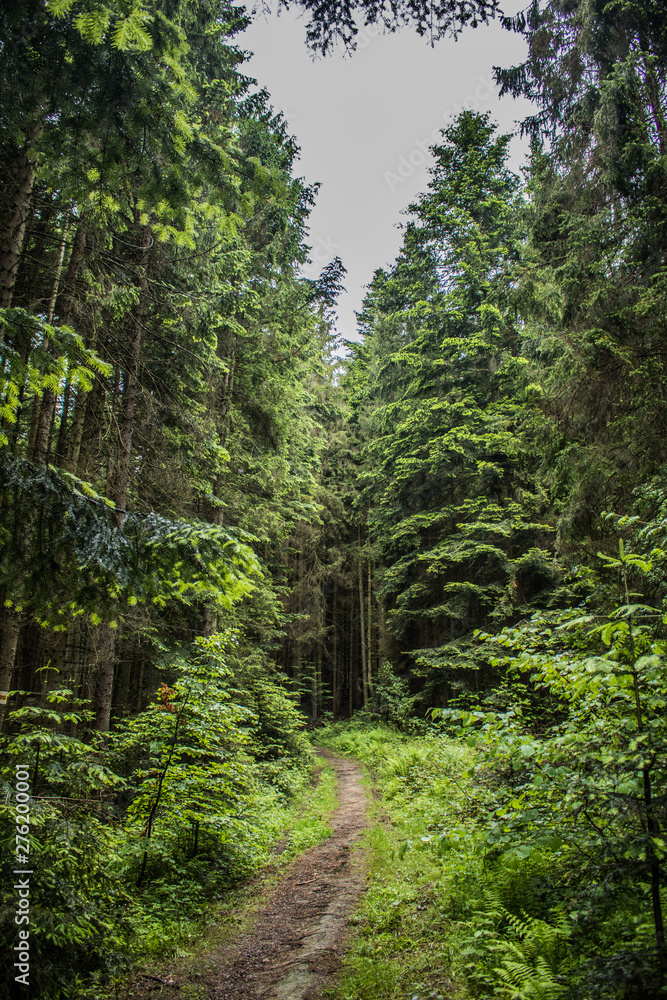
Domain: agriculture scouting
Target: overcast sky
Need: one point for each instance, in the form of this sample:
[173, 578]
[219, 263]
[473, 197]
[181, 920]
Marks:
[364, 123]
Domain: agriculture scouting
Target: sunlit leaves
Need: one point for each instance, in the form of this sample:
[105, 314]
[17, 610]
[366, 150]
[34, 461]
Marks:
[128, 28]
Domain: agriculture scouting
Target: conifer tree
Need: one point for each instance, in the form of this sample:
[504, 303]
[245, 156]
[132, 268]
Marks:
[448, 487]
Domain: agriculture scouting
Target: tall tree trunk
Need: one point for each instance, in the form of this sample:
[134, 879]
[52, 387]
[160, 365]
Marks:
[8, 644]
[652, 820]
[119, 477]
[45, 409]
[381, 633]
[85, 432]
[315, 683]
[369, 625]
[335, 684]
[65, 308]
[350, 696]
[362, 629]
[105, 658]
[119, 474]
[14, 226]
[214, 515]
[654, 89]
[138, 688]
[227, 353]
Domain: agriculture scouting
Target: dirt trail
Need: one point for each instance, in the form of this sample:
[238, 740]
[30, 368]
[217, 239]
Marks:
[293, 949]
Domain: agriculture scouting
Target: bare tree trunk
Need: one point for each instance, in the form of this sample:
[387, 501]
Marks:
[85, 430]
[314, 685]
[119, 475]
[369, 643]
[44, 411]
[351, 662]
[13, 232]
[105, 657]
[8, 644]
[228, 355]
[139, 686]
[381, 634]
[654, 88]
[214, 515]
[362, 628]
[335, 685]
[65, 316]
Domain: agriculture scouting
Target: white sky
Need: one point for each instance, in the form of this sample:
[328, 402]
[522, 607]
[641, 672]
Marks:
[363, 123]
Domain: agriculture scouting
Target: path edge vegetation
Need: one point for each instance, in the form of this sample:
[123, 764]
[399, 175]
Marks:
[301, 825]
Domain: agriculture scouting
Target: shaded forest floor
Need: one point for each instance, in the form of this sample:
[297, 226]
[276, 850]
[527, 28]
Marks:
[292, 946]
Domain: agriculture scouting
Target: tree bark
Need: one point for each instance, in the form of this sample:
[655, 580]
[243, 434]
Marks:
[335, 684]
[105, 656]
[85, 430]
[363, 638]
[120, 471]
[369, 625]
[8, 644]
[362, 635]
[65, 308]
[13, 231]
[654, 92]
[314, 686]
[350, 696]
[46, 408]
[119, 474]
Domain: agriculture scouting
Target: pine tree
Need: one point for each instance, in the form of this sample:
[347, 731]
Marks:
[451, 504]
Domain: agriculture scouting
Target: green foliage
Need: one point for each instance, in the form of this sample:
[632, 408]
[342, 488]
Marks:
[78, 915]
[178, 799]
[61, 353]
[447, 482]
[81, 561]
[584, 788]
[394, 702]
[190, 780]
[439, 914]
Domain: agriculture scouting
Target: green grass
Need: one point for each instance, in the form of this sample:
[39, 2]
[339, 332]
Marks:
[401, 946]
[440, 919]
[306, 820]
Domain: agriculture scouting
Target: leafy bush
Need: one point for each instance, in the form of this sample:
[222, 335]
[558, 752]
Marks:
[134, 832]
[588, 791]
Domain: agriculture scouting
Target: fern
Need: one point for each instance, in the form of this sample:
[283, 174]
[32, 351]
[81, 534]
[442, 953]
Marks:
[521, 954]
[521, 980]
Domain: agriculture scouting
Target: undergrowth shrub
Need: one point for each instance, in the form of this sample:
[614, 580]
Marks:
[487, 849]
[134, 833]
[439, 907]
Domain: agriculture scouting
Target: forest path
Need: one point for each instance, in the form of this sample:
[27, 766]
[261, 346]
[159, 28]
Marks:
[293, 950]
[294, 946]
